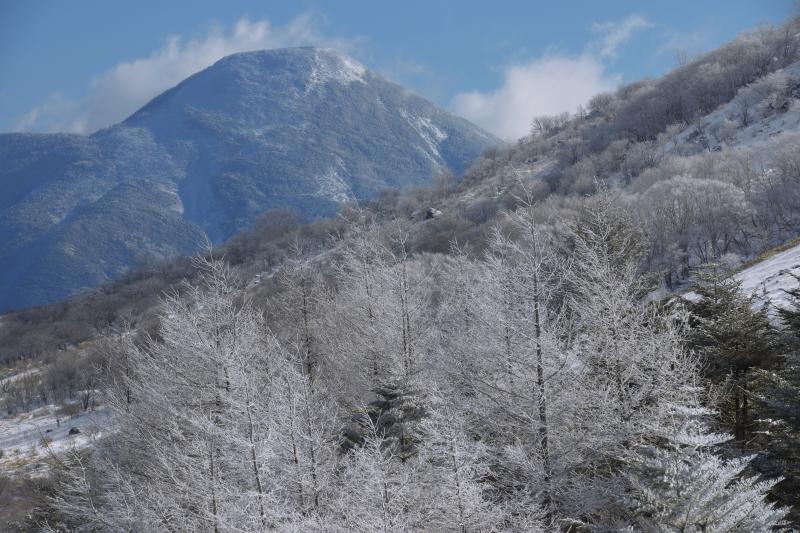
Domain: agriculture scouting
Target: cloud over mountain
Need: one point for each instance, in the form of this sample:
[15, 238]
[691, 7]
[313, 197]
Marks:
[549, 84]
[543, 86]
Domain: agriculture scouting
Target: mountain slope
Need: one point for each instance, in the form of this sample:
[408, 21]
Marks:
[300, 128]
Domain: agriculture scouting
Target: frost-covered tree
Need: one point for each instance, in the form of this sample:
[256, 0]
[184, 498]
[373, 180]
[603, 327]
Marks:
[691, 220]
[408, 283]
[302, 440]
[365, 323]
[378, 491]
[297, 309]
[381, 315]
[517, 361]
[206, 377]
[381, 322]
[204, 413]
[677, 483]
[641, 383]
[454, 466]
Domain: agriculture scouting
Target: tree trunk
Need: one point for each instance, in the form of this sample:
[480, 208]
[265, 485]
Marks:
[542, 397]
[256, 473]
[462, 521]
[312, 451]
[213, 486]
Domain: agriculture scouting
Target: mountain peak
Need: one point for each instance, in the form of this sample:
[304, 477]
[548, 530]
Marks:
[320, 64]
[233, 86]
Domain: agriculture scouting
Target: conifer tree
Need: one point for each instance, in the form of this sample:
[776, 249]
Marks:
[791, 315]
[733, 338]
[776, 397]
[631, 355]
[518, 363]
[677, 483]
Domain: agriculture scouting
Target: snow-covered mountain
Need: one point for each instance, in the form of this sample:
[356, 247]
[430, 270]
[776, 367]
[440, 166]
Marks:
[300, 128]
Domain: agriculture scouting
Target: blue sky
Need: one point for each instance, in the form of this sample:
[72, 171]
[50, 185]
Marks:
[78, 66]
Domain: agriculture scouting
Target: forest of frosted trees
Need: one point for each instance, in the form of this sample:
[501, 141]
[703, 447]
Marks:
[533, 388]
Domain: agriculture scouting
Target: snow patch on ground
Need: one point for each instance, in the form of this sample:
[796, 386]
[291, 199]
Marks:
[7, 380]
[29, 441]
[769, 279]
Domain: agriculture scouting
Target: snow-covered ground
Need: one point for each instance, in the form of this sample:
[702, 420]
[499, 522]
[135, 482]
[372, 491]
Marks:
[769, 279]
[30, 440]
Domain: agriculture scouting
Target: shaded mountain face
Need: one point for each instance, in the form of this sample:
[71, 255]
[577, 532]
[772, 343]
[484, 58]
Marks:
[300, 128]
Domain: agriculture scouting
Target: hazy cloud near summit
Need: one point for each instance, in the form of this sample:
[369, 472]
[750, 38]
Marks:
[115, 94]
[544, 86]
[550, 84]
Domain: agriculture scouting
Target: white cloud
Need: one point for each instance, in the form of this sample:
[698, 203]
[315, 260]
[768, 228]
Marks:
[615, 34]
[553, 83]
[121, 90]
[544, 86]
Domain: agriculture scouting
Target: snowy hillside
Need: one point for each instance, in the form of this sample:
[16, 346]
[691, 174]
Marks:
[769, 279]
[753, 116]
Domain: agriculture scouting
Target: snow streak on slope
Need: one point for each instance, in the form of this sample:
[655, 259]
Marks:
[330, 65]
[429, 132]
[333, 186]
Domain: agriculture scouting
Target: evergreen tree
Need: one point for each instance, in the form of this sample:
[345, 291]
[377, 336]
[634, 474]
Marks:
[678, 485]
[394, 416]
[776, 397]
[791, 315]
[734, 338]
